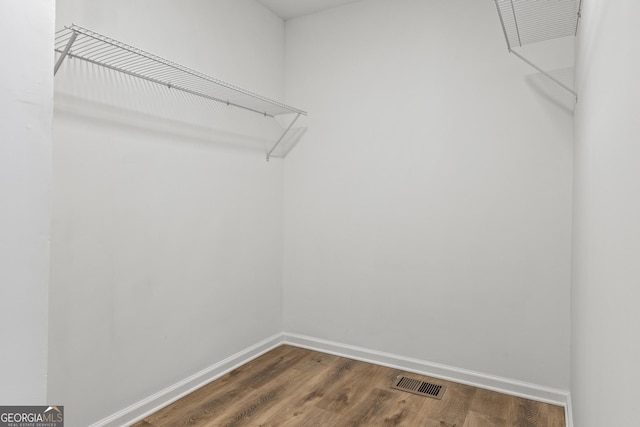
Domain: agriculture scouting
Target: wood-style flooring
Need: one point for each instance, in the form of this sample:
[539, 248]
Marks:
[289, 386]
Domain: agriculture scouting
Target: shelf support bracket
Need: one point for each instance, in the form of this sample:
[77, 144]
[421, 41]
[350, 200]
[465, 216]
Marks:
[282, 136]
[65, 52]
[558, 82]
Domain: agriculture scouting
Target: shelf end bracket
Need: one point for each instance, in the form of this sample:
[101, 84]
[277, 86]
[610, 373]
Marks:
[65, 52]
[282, 136]
[558, 82]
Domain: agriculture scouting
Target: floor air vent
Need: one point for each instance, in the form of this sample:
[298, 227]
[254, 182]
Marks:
[419, 387]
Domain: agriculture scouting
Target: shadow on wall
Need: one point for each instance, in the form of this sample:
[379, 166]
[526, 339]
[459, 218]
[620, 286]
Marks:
[93, 93]
[289, 142]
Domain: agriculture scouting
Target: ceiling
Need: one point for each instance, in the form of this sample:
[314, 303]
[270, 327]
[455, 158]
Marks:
[288, 9]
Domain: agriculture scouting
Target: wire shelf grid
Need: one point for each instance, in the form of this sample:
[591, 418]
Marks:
[75, 41]
[532, 21]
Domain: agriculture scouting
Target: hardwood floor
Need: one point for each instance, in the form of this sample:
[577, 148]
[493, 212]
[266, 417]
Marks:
[290, 386]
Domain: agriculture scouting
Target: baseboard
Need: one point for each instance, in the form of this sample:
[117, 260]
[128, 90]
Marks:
[449, 373]
[151, 404]
[568, 412]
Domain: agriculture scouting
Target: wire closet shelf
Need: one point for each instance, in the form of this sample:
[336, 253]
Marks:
[531, 21]
[75, 41]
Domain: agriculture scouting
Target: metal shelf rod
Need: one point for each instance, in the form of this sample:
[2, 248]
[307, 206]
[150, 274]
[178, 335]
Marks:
[170, 86]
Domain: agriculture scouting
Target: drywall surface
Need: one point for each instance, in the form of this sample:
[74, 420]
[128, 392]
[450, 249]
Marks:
[167, 220]
[605, 292]
[428, 212]
[26, 105]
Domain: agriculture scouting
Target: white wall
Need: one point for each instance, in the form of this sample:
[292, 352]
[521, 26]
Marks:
[605, 319]
[428, 211]
[26, 104]
[167, 220]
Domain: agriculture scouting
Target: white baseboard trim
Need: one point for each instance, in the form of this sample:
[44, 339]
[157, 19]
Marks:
[157, 401]
[444, 372]
[568, 412]
[151, 404]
